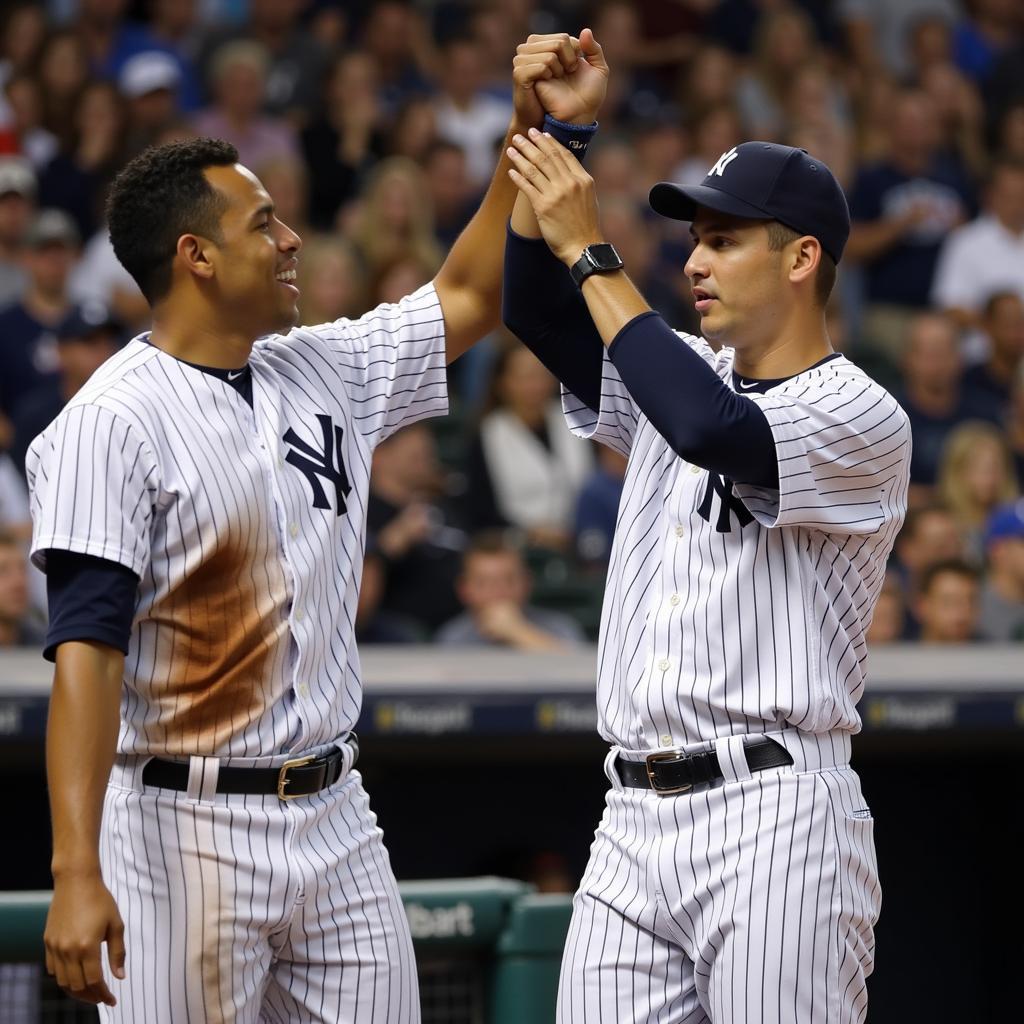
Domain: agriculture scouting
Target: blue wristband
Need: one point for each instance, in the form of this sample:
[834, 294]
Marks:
[575, 137]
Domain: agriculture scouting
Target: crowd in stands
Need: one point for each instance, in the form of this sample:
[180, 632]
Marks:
[374, 125]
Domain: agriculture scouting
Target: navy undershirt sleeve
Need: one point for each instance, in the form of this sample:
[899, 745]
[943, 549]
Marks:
[542, 306]
[89, 599]
[701, 418]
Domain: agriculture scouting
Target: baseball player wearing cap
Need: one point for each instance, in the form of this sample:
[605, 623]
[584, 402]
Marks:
[200, 509]
[733, 876]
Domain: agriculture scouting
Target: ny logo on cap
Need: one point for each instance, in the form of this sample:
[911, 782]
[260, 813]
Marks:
[723, 161]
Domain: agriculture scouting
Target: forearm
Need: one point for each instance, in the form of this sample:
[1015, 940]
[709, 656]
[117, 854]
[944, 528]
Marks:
[867, 241]
[543, 307]
[81, 738]
[469, 281]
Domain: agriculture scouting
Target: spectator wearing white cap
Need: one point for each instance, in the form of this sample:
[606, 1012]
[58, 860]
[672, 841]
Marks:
[1002, 596]
[17, 204]
[150, 82]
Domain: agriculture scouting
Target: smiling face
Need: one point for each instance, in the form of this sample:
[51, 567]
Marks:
[740, 286]
[253, 263]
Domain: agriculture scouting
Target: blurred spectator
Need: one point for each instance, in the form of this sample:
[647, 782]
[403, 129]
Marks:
[63, 73]
[400, 277]
[452, 196]
[932, 394]
[394, 218]
[22, 31]
[15, 518]
[888, 623]
[818, 121]
[17, 204]
[960, 112]
[86, 339]
[929, 44]
[610, 163]
[24, 97]
[878, 32]
[735, 22]
[76, 179]
[667, 292]
[1002, 595]
[1002, 333]
[28, 344]
[16, 626]
[238, 80]
[173, 29]
[784, 44]
[902, 208]
[929, 536]
[976, 475]
[989, 28]
[395, 36]
[709, 80]
[947, 603]
[986, 255]
[331, 284]
[494, 586]
[413, 542]
[414, 129]
[107, 37]
[598, 508]
[1010, 133]
[344, 140]
[151, 84]
[296, 59]
[99, 277]
[466, 114]
[524, 467]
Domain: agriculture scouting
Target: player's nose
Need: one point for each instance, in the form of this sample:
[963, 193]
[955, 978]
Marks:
[290, 241]
[695, 267]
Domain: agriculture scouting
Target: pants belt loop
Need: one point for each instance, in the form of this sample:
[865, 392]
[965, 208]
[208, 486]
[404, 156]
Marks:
[732, 759]
[202, 778]
[609, 768]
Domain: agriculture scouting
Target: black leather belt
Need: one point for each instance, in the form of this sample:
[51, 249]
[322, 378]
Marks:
[672, 771]
[298, 777]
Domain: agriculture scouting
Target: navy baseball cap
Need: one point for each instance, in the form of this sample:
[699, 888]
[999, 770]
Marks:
[766, 181]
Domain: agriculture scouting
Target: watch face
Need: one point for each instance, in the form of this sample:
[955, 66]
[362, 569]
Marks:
[604, 256]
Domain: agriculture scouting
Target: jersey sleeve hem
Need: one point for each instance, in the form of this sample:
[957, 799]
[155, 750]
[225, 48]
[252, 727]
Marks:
[43, 543]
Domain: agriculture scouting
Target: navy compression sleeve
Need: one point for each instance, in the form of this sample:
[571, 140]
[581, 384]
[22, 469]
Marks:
[544, 309]
[698, 415]
[89, 599]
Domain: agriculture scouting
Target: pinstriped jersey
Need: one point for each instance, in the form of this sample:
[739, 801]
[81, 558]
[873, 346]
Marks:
[732, 608]
[245, 524]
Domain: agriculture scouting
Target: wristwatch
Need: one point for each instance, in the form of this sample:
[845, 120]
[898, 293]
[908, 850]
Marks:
[596, 259]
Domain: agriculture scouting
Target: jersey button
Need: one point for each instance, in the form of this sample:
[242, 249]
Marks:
[303, 691]
[299, 615]
[664, 664]
[280, 462]
[674, 600]
[680, 530]
[665, 740]
[695, 469]
[293, 529]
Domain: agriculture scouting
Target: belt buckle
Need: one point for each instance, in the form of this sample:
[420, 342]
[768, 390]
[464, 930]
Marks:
[663, 756]
[283, 780]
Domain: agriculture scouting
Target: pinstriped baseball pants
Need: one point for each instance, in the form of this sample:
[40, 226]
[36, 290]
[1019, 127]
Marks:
[751, 901]
[240, 909]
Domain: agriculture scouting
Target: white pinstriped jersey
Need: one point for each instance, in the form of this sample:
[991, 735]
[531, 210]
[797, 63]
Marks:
[735, 609]
[245, 524]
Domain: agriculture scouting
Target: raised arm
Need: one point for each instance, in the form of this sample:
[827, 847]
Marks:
[469, 282]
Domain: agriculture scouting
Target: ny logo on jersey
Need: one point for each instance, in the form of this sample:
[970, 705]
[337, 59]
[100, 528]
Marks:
[722, 162]
[328, 464]
[722, 486]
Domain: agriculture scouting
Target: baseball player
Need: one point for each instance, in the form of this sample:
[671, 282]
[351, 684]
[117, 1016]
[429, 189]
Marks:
[199, 508]
[733, 875]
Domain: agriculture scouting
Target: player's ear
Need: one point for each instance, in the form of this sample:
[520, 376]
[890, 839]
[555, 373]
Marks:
[193, 253]
[803, 258]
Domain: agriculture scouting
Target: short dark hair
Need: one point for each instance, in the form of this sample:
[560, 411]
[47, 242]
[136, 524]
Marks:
[780, 235]
[491, 542]
[160, 196]
[952, 566]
